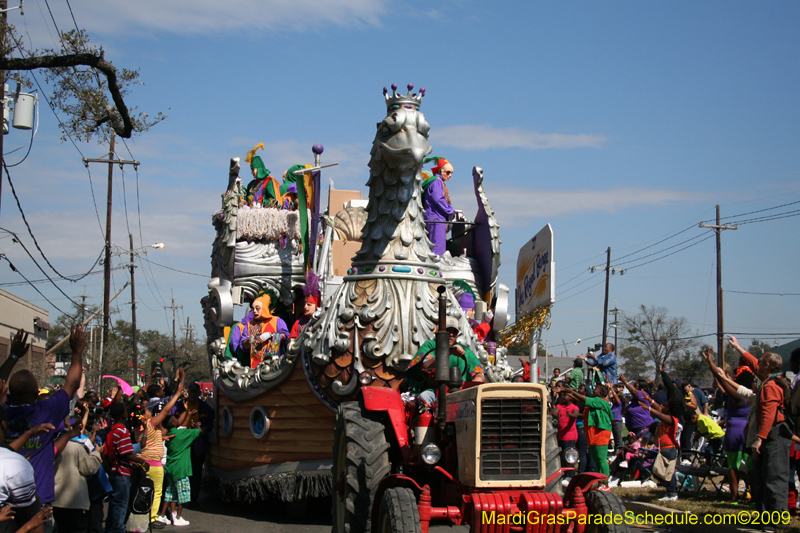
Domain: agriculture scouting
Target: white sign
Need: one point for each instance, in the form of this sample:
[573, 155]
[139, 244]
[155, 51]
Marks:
[536, 273]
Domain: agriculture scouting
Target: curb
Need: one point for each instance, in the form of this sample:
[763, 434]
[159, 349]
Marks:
[657, 510]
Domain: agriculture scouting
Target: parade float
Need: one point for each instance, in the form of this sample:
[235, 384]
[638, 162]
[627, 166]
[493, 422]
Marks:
[376, 279]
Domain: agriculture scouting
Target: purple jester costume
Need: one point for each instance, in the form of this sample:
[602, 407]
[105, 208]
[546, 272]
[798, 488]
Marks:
[437, 208]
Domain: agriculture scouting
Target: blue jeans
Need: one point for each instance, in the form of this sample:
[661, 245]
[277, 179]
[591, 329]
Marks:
[118, 505]
[670, 454]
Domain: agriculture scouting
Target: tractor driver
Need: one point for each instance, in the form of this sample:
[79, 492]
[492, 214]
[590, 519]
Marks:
[419, 383]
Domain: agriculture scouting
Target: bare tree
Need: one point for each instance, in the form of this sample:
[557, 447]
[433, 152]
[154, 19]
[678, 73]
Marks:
[656, 333]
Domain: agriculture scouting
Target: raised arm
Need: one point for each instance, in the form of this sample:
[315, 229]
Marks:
[77, 341]
[633, 391]
[167, 409]
[655, 411]
[614, 397]
[19, 347]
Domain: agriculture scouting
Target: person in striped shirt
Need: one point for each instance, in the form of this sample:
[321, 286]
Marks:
[120, 451]
[153, 449]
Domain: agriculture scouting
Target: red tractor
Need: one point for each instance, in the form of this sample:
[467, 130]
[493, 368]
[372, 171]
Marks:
[488, 458]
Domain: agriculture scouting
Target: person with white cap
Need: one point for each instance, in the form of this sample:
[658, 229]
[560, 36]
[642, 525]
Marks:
[419, 380]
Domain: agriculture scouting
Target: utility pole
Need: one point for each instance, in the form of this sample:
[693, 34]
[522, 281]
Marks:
[189, 329]
[174, 343]
[134, 346]
[107, 263]
[718, 229]
[608, 271]
[3, 7]
[615, 323]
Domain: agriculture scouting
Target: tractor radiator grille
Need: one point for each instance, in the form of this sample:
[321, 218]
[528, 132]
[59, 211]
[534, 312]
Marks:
[511, 438]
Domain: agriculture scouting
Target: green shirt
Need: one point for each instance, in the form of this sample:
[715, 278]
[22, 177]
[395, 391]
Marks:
[599, 412]
[179, 458]
[708, 428]
[575, 378]
[416, 381]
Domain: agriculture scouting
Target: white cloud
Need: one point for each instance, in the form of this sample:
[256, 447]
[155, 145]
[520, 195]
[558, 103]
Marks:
[250, 16]
[485, 137]
[515, 206]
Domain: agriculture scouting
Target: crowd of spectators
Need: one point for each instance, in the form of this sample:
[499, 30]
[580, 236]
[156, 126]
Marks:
[652, 429]
[66, 453]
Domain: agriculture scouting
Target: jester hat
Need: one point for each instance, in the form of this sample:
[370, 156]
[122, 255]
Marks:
[440, 162]
[256, 163]
[268, 301]
[291, 178]
[466, 297]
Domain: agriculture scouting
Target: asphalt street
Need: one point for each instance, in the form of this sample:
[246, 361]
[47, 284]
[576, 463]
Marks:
[315, 517]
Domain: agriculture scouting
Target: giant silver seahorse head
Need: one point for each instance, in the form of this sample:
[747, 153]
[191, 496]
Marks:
[395, 229]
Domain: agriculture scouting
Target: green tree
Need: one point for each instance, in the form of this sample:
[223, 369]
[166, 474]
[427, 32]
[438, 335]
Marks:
[657, 334]
[759, 348]
[689, 365]
[82, 80]
[634, 363]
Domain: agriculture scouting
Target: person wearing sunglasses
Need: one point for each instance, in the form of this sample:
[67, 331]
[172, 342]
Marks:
[436, 201]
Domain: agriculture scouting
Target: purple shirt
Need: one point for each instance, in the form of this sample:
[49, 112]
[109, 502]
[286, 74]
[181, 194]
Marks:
[434, 202]
[39, 450]
[638, 416]
[616, 412]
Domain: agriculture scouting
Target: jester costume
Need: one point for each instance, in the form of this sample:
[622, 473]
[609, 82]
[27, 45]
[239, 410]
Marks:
[264, 189]
[437, 207]
[254, 329]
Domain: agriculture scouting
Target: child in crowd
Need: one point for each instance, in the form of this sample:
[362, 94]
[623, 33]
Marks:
[153, 448]
[178, 467]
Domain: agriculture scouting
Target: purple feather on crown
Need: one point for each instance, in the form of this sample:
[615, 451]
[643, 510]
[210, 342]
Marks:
[311, 287]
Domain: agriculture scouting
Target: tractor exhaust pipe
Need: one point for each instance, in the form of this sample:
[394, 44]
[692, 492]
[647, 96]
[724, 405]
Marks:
[442, 360]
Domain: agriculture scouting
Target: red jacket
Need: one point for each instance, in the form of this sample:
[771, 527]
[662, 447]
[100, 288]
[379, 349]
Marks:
[770, 401]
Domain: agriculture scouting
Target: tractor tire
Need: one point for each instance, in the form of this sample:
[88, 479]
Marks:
[552, 454]
[360, 462]
[605, 504]
[398, 512]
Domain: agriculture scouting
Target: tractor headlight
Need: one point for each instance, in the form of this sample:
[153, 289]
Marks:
[431, 454]
[571, 455]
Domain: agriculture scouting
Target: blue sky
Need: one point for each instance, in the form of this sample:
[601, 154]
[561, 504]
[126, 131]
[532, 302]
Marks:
[618, 123]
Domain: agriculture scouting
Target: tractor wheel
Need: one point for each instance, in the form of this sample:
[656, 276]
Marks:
[552, 455]
[360, 462]
[398, 512]
[605, 504]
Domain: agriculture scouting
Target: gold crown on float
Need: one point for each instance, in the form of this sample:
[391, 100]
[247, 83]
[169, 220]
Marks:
[401, 99]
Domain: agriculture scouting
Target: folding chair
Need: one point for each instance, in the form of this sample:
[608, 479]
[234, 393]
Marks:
[705, 469]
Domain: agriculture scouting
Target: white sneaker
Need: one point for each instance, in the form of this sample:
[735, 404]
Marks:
[650, 484]
[613, 482]
[183, 522]
[164, 520]
[664, 499]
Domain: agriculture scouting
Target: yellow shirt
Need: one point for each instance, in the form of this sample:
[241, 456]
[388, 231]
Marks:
[708, 428]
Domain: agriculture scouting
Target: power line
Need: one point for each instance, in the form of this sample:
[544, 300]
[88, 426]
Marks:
[670, 254]
[758, 211]
[73, 17]
[767, 218]
[662, 250]
[35, 242]
[10, 264]
[654, 244]
[53, 19]
[175, 269]
[767, 293]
